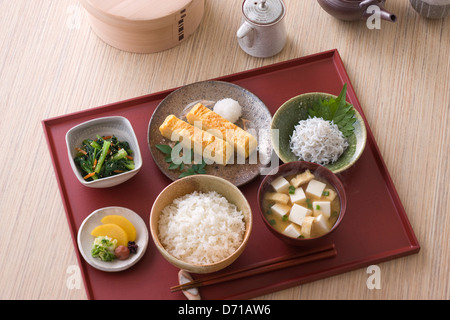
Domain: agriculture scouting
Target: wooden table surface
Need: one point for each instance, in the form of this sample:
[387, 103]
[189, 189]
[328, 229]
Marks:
[51, 64]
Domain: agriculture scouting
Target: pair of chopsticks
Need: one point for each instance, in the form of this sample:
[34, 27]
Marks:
[310, 255]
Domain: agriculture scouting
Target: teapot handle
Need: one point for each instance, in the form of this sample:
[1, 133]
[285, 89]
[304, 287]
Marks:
[246, 31]
[369, 2]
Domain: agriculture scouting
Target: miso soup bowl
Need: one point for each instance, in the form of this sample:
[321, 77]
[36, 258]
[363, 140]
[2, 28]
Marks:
[292, 168]
[201, 183]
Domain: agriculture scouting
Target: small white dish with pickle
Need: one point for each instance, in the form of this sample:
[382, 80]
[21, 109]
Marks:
[112, 239]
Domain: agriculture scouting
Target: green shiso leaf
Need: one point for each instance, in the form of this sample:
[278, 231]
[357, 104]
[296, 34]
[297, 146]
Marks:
[164, 148]
[336, 110]
[198, 168]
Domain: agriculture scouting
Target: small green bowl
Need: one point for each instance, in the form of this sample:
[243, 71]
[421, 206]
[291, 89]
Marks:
[294, 110]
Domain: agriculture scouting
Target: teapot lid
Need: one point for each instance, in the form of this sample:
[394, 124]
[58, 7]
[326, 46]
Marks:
[263, 11]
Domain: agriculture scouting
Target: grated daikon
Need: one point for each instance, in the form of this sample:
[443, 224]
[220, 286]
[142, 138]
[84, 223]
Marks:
[229, 109]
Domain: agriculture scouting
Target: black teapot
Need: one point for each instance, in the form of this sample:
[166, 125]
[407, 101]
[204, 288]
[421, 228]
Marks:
[351, 10]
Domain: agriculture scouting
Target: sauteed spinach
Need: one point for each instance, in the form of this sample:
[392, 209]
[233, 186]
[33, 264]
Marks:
[104, 157]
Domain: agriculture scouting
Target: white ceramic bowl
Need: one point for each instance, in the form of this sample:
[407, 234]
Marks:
[115, 125]
[85, 239]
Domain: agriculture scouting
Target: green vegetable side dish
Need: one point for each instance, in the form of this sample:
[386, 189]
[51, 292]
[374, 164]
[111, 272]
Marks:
[103, 248]
[104, 157]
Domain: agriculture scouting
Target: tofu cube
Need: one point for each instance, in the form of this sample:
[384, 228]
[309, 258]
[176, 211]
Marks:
[315, 188]
[280, 209]
[321, 224]
[280, 184]
[292, 231]
[298, 196]
[307, 226]
[331, 194]
[302, 178]
[277, 197]
[298, 214]
[322, 207]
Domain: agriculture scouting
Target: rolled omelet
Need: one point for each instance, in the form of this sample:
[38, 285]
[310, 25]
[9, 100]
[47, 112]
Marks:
[242, 141]
[190, 137]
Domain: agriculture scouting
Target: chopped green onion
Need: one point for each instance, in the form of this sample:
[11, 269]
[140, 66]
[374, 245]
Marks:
[326, 193]
[308, 203]
[285, 217]
[317, 207]
[291, 189]
[272, 221]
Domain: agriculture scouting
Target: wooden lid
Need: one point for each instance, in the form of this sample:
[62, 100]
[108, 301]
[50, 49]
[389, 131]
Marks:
[144, 25]
[138, 9]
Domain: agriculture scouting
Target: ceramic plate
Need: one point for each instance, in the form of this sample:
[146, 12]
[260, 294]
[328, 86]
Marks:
[255, 116]
[85, 239]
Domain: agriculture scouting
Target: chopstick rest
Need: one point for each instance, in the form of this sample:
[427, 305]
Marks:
[183, 278]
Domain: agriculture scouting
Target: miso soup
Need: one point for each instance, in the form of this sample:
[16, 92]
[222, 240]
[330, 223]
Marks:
[302, 205]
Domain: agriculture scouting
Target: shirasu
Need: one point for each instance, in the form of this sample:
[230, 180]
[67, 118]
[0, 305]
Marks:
[317, 140]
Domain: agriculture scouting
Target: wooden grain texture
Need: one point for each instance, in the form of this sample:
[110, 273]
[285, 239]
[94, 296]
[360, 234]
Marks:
[51, 64]
[143, 26]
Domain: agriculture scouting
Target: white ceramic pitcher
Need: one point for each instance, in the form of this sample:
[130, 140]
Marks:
[262, 33]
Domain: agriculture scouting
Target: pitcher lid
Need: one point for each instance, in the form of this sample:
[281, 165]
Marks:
[263, 11]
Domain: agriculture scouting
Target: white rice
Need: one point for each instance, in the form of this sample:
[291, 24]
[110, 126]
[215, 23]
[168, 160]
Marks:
[229, 109]
[317, 140]
[201, 228]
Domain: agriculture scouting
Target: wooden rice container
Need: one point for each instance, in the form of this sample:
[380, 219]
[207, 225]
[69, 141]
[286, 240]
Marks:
[144, 26]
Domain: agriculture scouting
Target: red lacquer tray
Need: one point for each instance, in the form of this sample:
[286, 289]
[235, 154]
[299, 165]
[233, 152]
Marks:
[375, 228]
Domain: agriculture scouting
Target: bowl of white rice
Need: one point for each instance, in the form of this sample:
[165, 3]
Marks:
[296, 136]
[201, 223]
